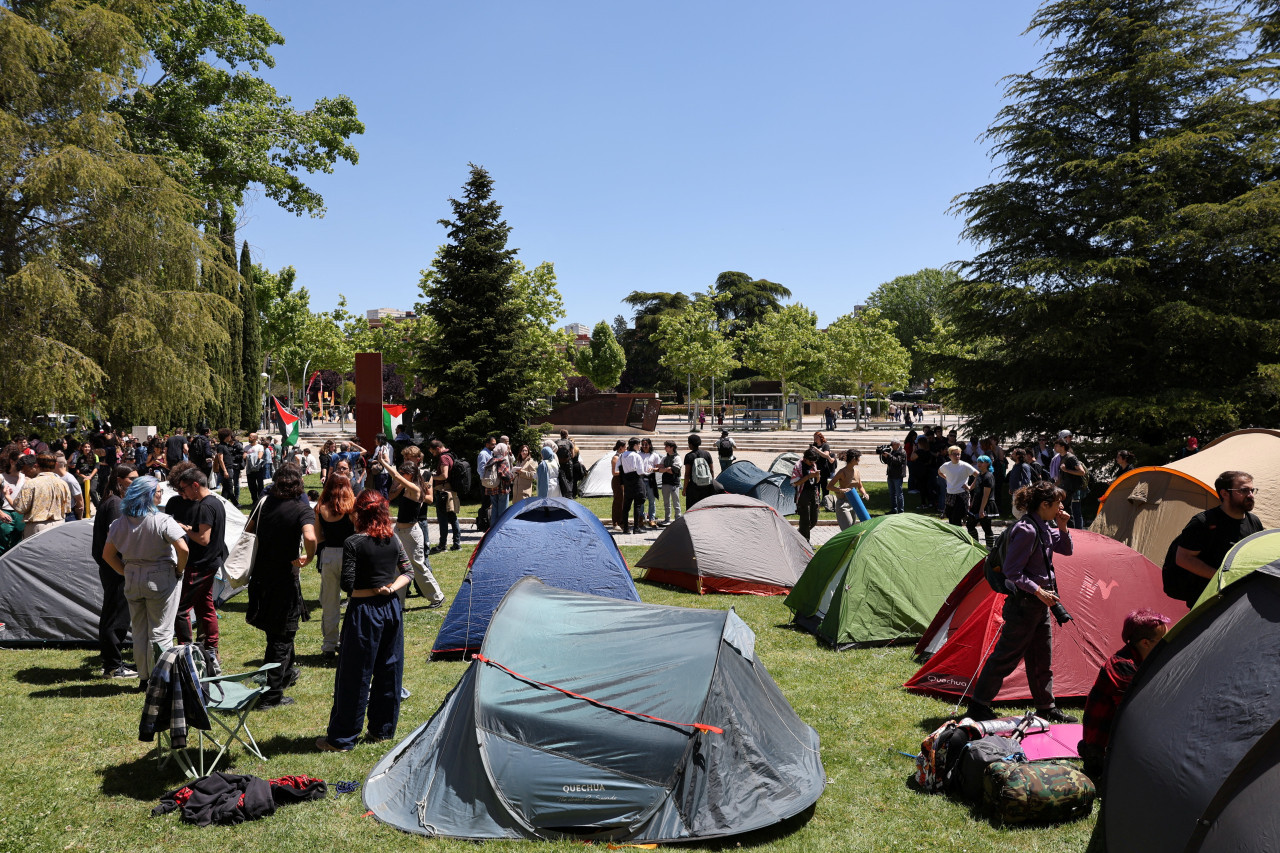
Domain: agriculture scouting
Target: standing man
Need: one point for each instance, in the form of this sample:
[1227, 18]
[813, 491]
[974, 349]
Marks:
[725, 449]
[202, 517]
[45, 500]
[1209, 535]
[445, 498]
[1071, 477]
[632, 467]
[175, 448]
[895, 466]
[113, 618]
[255, 467]
[200, 452]
[805, 475]
[482, 462]
[226, 464]
[564, 456]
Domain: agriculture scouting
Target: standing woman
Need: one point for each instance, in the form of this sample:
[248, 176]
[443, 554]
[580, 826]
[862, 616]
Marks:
[113, 618]
[500, 495]
[147, 547]
[616, 513]
[411, 494]
[275, 595]
[525, 475]
[1026, 634]
[804, 477]
[849, 479]
[652, 461]
[1124, 462]
[375, 573]
[335, 523]
[982, 501]
[326, 457]
[11, 481]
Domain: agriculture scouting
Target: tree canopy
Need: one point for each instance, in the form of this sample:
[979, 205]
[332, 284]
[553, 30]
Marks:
[913, 303]
[786, 345]
[692, 341]
[602, 360]
[1126, 280]
[863, 349]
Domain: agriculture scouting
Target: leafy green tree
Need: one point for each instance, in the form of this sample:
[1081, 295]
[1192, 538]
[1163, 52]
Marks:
[1127, 276]
[864, 350]
[101, 252]
[603, 360]
[913, 302]
[468, 293]
[251, 350]
[693, 343]
[298, 340]
[786, 345]
[542, 346]
[644, 371]
[229, 128]
[746, 301]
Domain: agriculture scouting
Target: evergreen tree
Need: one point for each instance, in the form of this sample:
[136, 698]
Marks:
[1126, 283]
[251, 349]
[479, 387]
[602, 360]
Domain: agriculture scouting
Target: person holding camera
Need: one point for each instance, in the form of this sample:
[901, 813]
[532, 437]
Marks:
[1032, 601]
[895, 469]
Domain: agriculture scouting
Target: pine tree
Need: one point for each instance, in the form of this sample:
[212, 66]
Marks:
[251, 349]
[479, 387]
[1126, 283]
[233, 355]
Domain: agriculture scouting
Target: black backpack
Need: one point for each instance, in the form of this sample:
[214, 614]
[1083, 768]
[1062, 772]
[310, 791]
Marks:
[725, 447]
[1039, 472]
[993, 566]
[1178, 582]
[460, 477]
[200, 453]
[564, 452]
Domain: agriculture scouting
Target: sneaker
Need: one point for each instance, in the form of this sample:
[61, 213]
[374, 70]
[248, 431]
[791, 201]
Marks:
[455, 547]
[436, 549]
[121, 671]
[980, 713]
[438, 603]
[323, 744]
[1054, 715]
[279, 703]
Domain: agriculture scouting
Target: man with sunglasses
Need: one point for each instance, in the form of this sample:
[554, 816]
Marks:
[1209, 535]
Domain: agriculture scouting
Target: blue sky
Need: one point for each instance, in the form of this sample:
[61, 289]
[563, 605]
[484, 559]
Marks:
[646, 146]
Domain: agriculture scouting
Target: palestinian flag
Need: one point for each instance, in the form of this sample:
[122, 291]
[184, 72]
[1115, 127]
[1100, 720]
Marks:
[391, 417]
[288, 425]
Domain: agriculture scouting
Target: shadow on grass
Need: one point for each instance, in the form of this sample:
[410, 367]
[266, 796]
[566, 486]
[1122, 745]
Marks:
[49, 675]
[88, 691]
[142, 778]
[278, 745]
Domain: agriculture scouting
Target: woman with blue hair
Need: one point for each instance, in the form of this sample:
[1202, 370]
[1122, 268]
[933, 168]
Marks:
[147, 547]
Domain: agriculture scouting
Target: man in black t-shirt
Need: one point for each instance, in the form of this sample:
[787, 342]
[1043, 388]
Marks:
[201, 514]
[1210, 535]
[228, 459]
[175, 448]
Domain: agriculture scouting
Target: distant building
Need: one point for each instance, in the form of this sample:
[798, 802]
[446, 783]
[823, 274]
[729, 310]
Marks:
[379, 317]
[579, 334]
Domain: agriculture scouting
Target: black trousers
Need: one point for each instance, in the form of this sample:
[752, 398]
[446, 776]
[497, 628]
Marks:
[632, 495]
[255, 479]
[445, 517]
[807, 509]
[279, 650]
[1026, 636]
[370, 669]
[113, 623]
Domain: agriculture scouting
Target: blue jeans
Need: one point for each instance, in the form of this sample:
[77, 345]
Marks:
[1077, 515]
[497, 506]
[896, 503]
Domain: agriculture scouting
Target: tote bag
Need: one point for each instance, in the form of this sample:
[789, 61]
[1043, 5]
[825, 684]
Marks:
[239, 562]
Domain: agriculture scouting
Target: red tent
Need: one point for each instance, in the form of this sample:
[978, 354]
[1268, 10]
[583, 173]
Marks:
[1100, 584]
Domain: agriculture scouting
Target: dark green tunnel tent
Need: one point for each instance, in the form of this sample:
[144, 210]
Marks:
[594, 718]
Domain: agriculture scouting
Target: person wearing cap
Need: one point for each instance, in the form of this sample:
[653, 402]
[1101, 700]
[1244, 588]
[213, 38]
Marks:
[895, 462]
[982, 500]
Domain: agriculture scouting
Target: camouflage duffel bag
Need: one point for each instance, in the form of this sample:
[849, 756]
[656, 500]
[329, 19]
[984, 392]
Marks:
[1036, 791]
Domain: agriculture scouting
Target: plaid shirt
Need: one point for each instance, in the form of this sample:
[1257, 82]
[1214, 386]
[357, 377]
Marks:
[1100, 707]
[175, 699]
[44, 498]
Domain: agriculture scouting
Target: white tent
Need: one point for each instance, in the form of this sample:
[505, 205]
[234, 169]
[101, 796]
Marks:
[599, 481]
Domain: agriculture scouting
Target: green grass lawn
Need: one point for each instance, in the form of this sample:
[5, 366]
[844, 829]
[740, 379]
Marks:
[77, 778]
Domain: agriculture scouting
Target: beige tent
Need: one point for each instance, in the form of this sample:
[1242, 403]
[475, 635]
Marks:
[1147, 507]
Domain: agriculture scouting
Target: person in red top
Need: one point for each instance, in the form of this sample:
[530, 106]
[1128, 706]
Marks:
[1142, 630]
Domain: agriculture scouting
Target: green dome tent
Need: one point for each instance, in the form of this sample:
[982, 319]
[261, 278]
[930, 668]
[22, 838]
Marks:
[1248, 555]
[882, 580]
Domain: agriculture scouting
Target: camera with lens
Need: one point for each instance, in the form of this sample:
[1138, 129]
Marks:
[1060, 613]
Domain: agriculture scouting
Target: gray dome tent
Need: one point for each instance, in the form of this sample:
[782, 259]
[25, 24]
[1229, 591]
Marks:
[746, 478]
[669, 730]
[1195, 752]
[49, 586]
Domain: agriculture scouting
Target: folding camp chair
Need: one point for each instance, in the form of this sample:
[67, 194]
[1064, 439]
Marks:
[231, 699]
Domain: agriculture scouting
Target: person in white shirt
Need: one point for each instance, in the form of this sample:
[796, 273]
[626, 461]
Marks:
[632, 466]
[652, 462]
[957, 473]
